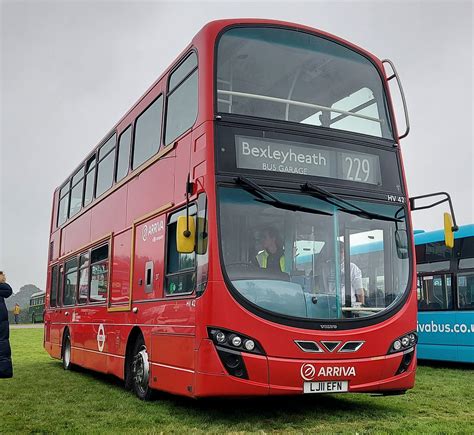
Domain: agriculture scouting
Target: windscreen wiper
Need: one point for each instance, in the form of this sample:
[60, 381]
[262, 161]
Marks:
[342, 204]
[266, 197]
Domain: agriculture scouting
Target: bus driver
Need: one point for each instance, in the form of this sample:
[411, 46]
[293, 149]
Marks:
[271, 256]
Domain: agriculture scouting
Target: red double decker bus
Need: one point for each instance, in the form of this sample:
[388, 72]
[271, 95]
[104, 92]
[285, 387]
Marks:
[215, 242]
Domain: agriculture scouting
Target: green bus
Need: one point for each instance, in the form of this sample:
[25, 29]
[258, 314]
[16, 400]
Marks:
[36, 311]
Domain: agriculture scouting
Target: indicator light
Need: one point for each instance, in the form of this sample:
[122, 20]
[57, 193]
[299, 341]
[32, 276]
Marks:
[397, 344]
[249, 345]
[220, 337]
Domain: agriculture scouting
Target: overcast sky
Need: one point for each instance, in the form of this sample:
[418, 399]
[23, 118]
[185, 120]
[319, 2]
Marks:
[70, 70]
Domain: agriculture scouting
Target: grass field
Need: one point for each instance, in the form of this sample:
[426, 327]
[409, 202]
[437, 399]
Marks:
[43, 398]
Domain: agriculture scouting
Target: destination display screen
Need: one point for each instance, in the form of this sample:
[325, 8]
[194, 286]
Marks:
[298, 158]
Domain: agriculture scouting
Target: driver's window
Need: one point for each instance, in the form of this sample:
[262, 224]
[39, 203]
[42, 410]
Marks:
[181, 267]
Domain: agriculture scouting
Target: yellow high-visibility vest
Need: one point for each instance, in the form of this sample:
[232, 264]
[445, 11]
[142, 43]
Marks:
[262, 258]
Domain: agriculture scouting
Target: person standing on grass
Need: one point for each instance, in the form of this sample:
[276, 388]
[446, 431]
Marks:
[16, 313]
[6, 368]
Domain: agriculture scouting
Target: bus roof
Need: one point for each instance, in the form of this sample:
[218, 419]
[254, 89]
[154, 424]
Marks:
[37, 294]
[438, 235]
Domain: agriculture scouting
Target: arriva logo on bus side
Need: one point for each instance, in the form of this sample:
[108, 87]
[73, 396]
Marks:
[308, 371]
[152, 229]
[101, 338]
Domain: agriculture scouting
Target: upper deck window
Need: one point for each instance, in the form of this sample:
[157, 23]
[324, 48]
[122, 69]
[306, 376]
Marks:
[123, 154]
[105, 168]
[147, 133]
[77, 185]
[63, 204]
[289, 75]
[90, 179]
[182, 102]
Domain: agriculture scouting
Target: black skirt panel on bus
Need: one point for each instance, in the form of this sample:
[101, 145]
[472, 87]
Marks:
[6, 368]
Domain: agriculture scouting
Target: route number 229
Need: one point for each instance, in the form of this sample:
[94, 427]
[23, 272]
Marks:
[357, 169]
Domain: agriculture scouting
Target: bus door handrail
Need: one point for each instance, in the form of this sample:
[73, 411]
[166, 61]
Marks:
[402, 93]
[298, 103]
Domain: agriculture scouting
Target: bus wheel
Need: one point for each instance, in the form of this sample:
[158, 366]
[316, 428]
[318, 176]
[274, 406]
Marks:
[140, 370]
[67, 365]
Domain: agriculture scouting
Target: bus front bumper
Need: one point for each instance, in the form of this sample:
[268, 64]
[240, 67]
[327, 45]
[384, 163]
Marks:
[283, 376]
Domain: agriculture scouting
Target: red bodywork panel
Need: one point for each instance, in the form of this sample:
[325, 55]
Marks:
[183, 359]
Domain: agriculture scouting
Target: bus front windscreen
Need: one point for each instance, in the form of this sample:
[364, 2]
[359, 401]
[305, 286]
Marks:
[302, 257]
[289, 75]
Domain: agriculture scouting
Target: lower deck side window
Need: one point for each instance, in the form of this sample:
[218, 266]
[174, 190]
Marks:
[99, 280]
[99, 274]
[435, 292]
[465, 284]
[82, 279]
[53, 296]
[70, 282]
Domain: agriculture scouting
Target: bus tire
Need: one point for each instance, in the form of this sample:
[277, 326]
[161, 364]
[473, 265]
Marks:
[140, 370]
[66, 352]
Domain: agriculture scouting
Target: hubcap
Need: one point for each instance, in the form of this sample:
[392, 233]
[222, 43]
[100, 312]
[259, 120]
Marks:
[141, 370]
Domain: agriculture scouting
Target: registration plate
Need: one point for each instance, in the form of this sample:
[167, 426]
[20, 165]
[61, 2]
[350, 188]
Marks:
[326, 387]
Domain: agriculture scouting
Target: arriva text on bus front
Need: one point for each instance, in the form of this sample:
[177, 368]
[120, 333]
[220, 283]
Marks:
[305, 159]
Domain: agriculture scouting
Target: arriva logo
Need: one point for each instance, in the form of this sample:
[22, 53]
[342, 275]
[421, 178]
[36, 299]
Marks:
[152, 229]
[308, 371]
[337, 371]
[101, 338]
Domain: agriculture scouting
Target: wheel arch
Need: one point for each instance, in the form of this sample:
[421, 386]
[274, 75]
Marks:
[66, 332]
[132, 337]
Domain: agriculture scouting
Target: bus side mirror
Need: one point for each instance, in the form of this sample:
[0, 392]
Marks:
[201, 245]
[448, 231]
[401, 242]
[450, 225]
[185, 234]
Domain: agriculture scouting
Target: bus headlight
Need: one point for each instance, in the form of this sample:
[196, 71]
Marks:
[403, 343]
[230, 347]
[234, 340]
